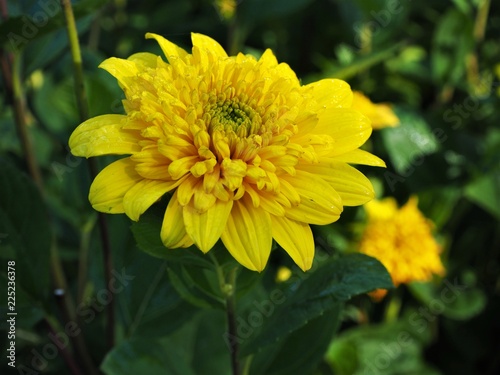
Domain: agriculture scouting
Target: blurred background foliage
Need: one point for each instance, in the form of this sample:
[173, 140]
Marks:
[436, 62]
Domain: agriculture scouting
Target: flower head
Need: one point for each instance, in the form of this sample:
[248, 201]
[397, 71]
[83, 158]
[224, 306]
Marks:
[226, 8]
[381, 115]
[402, 240]
[247, 152]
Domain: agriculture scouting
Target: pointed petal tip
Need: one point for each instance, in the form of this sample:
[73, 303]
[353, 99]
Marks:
[305, 265]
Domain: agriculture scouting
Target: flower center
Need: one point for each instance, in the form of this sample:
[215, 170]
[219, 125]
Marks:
[232, 116]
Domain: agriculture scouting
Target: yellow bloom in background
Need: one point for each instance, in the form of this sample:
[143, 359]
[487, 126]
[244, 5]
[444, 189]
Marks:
[226, 8]
[246, 151]
[401, 239]
[381, 115]
[283, 274]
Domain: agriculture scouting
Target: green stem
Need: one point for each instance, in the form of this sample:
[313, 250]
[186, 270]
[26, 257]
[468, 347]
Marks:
[219, 271]
[54, 327]
[393, 308]
[235, 35]
[22, 127]
[230, 290]
[68, 308]
[83, 257]
[481, 20]
[76, 56]
[246, 366]
[81, 99]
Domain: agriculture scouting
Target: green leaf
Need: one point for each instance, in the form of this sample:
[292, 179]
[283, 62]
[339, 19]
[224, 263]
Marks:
[147, 235]
[37, 22]
[389, 348]
[357, 66]
[152, 357]
[195, 348]
[454, 299]
[151, 308]
[333, 283]
[484, 192]
[409, 142]
[210, 352]
[194, 285]
[296, 357]
[25, 231]
[28, 314]
[452, 42]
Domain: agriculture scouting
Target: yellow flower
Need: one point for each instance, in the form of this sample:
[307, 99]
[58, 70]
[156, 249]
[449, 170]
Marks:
[226, 8]
[381, 115]
[283, 274]
[402, 240]
[246, 151]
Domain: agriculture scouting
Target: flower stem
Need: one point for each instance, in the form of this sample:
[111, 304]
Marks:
[82, 104]
[68, 309]
[231, 321]
[20, 119]
[393, 308]
[76, 56]
[481, 20]
[247, 364]
[83, 258]
[235, 35]
[54, 327]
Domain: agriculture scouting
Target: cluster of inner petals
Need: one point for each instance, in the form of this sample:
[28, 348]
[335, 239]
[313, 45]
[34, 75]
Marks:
[217, 133]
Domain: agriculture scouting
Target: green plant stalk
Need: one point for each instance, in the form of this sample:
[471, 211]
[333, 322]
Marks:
[22, 127]
[472, 62]
[54, 327]
[68, 309]
[81, 99]
[83, 258]
[230, 291]
[247, 365]
[481, 20]
[235, 35]
[393, 307]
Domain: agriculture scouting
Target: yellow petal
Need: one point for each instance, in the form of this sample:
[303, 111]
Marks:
[206, 228]
[349, 130]
[248, 235]
[268, 60]
[273, 203]
[103, 135]
[176, 147]
[331, 93]
[186, 190]
[352, 186]
[180, 167]
[384, 209]
[169, 49]
[381, 115]
[143, 194]
[151, 164]
[319, 202]
[359, 157]
[147, 59]
[173, 233]
[206, 43]
[297, 240]
[121, 69]
[111, 184]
